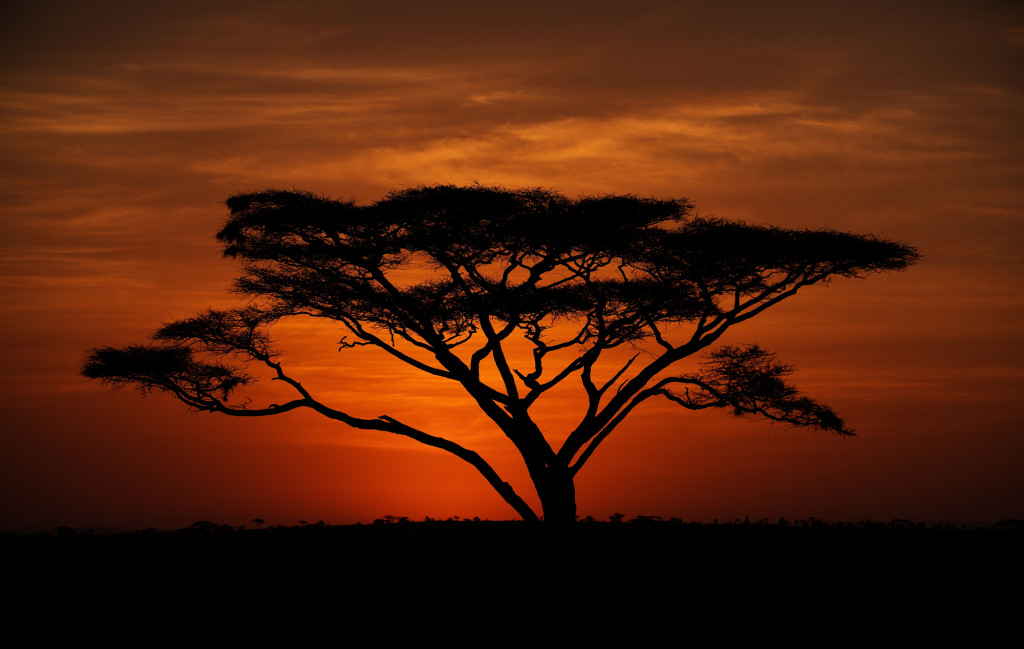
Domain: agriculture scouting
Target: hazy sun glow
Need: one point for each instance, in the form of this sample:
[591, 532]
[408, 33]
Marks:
[125, 128]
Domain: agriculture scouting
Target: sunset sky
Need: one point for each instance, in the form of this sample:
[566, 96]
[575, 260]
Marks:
[125, 125]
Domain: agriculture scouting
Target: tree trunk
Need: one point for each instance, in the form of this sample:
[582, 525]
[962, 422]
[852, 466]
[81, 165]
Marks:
[558, 498]
[557, 493]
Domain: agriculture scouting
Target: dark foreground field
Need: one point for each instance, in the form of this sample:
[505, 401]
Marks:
[897, 577]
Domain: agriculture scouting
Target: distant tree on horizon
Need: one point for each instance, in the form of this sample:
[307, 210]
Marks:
[572, 279]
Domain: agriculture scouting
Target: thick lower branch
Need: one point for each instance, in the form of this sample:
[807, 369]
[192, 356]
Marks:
[390, 425]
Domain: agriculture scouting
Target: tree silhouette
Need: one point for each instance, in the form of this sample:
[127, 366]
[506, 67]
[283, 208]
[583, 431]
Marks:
[447, 279]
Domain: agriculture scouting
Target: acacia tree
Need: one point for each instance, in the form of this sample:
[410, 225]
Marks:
[445, 279]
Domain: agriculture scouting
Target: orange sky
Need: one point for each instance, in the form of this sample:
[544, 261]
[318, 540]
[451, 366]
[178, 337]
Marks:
[124, 127]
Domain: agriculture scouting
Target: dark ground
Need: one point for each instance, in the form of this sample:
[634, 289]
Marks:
[897, 578]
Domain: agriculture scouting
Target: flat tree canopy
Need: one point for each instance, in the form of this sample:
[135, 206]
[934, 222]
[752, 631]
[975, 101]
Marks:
[445, 279]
